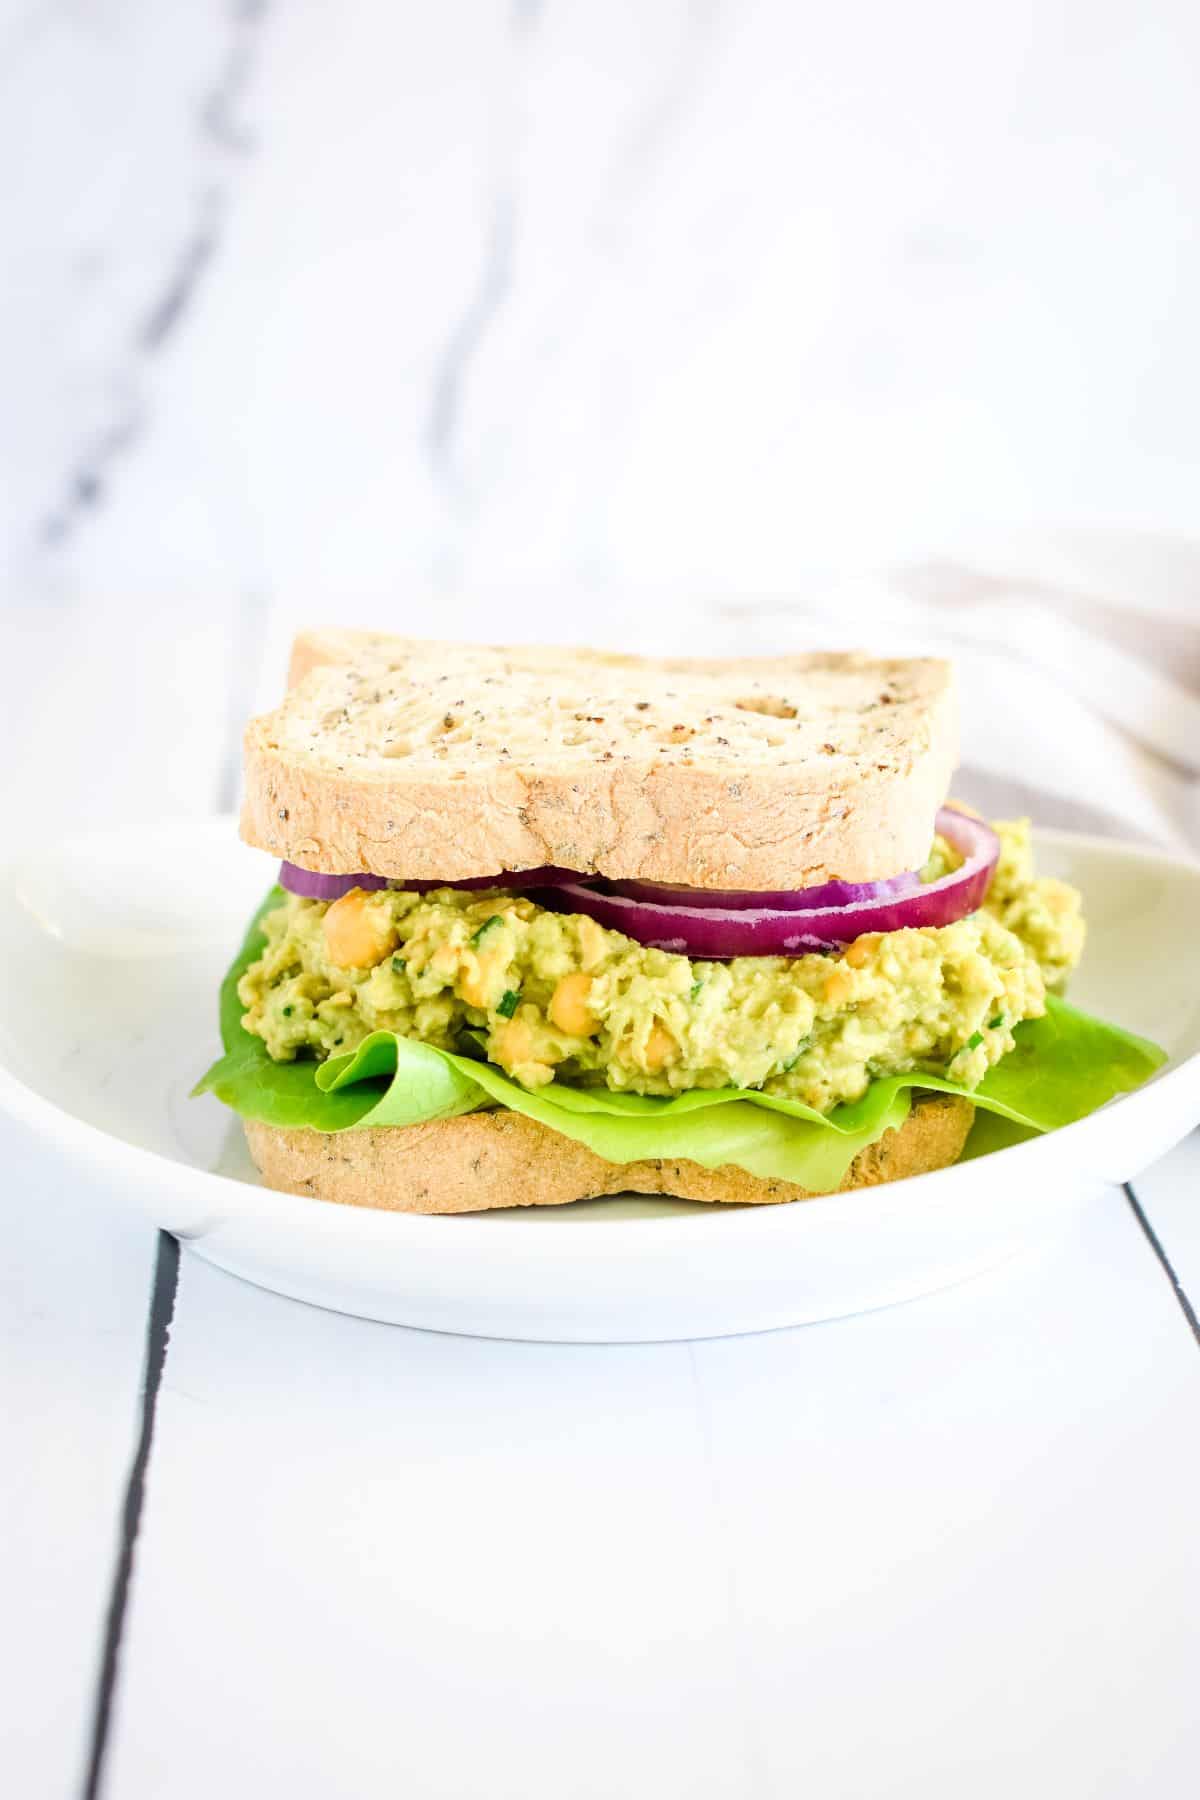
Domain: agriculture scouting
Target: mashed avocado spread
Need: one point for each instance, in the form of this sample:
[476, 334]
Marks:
[556, 996]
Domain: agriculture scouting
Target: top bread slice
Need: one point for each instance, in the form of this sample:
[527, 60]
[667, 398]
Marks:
[439, 761]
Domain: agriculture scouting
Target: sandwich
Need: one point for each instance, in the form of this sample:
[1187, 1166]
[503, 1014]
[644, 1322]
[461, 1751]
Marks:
[552, 924]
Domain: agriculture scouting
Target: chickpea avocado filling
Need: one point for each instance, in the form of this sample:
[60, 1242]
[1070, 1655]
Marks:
[554, 997]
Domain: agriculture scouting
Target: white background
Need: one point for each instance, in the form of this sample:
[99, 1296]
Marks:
[486, 296]
[579, 321]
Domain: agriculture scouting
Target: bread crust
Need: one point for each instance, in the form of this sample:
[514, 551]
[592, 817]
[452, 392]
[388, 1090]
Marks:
[700, 783]
[493, 1159]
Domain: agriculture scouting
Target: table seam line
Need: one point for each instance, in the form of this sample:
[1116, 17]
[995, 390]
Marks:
[1164, 1261]
[164, 1288]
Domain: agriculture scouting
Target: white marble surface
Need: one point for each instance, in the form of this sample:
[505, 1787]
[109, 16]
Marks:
[596, 322]
[488, 297]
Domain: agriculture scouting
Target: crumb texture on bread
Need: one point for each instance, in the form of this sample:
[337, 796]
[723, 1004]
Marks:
[492, 1159]
[442, 761]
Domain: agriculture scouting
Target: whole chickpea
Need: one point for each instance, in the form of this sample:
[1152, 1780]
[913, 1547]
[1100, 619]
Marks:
[357, 934]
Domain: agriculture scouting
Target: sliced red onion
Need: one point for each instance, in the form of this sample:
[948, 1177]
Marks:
[715, 932]
[517, 880]
[312, 886]
[810, 899]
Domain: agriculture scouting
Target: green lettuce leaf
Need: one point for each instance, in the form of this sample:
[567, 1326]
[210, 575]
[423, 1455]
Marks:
[1064, 1066]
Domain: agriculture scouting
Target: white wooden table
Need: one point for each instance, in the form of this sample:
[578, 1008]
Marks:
[942, 1549]
[471, 318]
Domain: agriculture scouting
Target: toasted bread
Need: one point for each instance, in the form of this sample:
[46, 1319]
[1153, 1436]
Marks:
[446, 762]
[490, 1159]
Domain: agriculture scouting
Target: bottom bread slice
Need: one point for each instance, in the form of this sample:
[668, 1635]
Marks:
[489, 1159]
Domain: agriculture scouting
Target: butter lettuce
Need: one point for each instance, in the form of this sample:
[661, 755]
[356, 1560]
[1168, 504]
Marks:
[1063, 1067]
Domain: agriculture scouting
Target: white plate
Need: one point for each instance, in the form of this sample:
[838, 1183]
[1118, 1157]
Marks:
[111, 951]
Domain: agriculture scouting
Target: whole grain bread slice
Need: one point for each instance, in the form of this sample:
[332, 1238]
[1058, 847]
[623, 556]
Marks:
[490, 1159]
[442, 761]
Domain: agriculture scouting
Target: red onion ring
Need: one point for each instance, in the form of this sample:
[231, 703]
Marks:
[714, 932]
[810, 899]
[310, 885]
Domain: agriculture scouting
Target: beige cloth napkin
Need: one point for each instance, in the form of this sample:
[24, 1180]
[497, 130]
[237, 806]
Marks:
[1079, 658]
